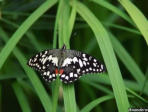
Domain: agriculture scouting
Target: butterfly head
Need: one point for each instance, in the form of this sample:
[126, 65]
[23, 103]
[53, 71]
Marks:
[64, 47]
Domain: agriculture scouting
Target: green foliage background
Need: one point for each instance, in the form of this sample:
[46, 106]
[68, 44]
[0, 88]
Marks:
[115, 32]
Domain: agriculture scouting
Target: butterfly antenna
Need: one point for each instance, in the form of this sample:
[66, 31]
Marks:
[64, 47]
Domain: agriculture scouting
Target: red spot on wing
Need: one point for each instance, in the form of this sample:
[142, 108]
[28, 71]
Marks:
[56, 71]
[61, 71]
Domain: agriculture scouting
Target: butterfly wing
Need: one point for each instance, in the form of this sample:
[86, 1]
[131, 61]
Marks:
[45, 62]
[77, 63]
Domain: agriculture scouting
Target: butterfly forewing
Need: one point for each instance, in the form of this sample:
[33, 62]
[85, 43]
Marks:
[77, 63]
[45, 62]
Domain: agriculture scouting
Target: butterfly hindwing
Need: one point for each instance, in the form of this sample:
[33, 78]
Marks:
[69, 74]
[48, 76]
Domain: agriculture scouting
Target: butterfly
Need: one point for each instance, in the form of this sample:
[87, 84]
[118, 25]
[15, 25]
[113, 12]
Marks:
[70, 65]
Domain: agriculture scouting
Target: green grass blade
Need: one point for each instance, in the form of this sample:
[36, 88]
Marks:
[69, 98]
[128, 61]
[98, 86]
[55, 91]
[108, 54]
[33, 40]
[72, 20]
[122, 28]
[96, 102]
[21, 97]
[23, 28]
[64, 25]
[56, 85]
[138, 96]
[0, 98]
[40, 90]
[11, 76]
[59, 11]
[135, 87]
[64, 37]
[145, 83]
[137, 16]
[112, 8]
[104, 79]
[16, 13]
[29, 34]
[94, 81]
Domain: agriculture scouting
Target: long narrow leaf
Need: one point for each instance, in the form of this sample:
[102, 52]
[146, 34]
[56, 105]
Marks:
[11, 76]
[56, 85]
[29, 34]
[22, 29]
[96, 102]
[128, 61]
[55, 34]
[108, 54]
[100, 87]
[40, 90]
[0, 98]
[137, 16]
[64, 38]
[135, 94]
[114, 9]
[21, 97]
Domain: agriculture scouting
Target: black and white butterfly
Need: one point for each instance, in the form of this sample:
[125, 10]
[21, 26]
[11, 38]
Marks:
[68, 64]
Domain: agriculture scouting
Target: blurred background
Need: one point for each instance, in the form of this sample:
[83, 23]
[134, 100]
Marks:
[13, 78]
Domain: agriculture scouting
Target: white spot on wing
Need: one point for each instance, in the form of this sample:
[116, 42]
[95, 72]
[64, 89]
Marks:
[88, 63]
[53, 75]
[50, 76]
[43, 56]
[75, 75]
[48, 73]
[54, 60]
[35, 59]
[63, 75]
[95, 60]
[71, 74]
[43, 67]
[84, 55]
[44, 73]
[85, 59]
[67, 61]
[44, 60]
[66, 77]
[78, 70]
[101, 66]
[80, 63]
[46, 52]
[75, 60]
[94, 64]
[84, 63]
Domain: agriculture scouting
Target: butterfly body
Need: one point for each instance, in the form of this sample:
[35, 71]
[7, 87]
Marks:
[68, 64]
